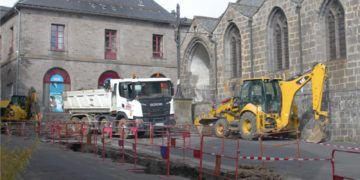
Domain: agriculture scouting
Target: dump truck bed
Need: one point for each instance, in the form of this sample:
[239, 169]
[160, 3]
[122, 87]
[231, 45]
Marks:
[87, 101]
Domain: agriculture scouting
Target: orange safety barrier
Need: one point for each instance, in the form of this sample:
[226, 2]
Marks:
[274, 135]
[168, 143]
[335, 176]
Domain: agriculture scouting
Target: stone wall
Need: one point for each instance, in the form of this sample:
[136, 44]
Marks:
[343, 74]
[83, 57]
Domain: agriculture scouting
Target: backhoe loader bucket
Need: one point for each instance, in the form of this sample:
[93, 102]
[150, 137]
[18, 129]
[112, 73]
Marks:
[313, 132]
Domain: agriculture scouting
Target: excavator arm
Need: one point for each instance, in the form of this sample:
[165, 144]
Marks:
[289, 88]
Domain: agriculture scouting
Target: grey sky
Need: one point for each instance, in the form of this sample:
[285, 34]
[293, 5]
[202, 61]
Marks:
[188, 8]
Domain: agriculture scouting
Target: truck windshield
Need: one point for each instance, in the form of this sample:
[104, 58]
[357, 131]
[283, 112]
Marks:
[153, 89]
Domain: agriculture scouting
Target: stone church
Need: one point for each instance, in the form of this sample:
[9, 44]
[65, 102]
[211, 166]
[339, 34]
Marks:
[278, 38]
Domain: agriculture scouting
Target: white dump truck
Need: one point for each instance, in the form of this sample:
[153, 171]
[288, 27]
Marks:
[124, 103]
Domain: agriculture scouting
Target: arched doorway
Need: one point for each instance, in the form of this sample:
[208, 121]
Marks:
[199, 73]
[105, 76]
[158, 75]
[56, 81]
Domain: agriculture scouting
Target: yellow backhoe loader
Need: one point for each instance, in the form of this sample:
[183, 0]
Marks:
[20, 108]
[267, 106]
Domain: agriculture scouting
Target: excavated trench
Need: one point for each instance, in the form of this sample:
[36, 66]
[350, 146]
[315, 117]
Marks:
[156, 166]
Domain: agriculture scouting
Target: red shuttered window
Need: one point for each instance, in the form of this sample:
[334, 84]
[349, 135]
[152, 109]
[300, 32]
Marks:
[57, 37]
[110, 44]
[157, 46]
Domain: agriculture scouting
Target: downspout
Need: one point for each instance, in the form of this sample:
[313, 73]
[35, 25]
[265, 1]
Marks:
[298, 8]
[215, 68]
[250, 21]
[18, 58]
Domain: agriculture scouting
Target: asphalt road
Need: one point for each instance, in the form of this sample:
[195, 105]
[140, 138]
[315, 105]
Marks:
[53, 161]
[345, 164]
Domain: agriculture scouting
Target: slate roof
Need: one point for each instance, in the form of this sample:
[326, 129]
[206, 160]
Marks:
[4, 10]
[147, 10]
[249, 7]
[208, 23]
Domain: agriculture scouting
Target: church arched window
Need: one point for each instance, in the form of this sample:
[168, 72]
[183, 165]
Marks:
[278, 40]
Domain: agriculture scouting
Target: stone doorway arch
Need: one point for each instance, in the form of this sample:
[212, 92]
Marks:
[198, 72]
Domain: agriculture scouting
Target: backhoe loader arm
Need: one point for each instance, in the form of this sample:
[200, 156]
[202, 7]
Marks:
[289, 88]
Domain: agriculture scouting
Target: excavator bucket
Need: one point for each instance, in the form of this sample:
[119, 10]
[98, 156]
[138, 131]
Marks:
[313, 132]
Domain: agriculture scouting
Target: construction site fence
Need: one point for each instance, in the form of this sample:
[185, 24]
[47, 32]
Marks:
[177, 143]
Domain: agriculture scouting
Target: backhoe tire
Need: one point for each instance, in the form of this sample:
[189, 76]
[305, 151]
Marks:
[247, 126]
[221, 128]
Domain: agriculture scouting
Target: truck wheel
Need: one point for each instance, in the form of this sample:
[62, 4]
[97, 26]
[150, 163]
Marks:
[247, 126]
[221, 128]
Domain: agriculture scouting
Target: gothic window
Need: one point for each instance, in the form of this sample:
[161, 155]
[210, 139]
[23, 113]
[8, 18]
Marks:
[335, 25]
[233, 52]
[278, 40]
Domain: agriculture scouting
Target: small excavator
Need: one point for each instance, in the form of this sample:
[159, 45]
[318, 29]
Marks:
[266, 106]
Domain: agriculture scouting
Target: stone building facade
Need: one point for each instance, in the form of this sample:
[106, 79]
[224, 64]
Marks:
[278, 38]
[70, 45]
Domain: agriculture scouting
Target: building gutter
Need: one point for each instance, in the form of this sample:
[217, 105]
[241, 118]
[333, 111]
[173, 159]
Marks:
[250, 21]
[18, 57]
[298, 10]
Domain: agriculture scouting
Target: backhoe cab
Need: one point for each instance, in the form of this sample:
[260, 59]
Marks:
[267, 106]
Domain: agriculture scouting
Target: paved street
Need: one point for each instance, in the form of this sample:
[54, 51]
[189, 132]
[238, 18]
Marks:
[57, 162]
[52, 161]
[346, 164]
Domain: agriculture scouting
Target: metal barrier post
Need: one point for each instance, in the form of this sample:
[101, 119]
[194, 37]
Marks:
[81, 136]
[217, 171]
[333, 163]
[334, 176]
[52, 128]
[95, 143]
[135, 146]
[201, 156]
[7, 129]
[103, 143]
[66, 133]
[151, 134]
[168, 153]
[59, 133]
[123, 148]
[22, 129]
[183, 149]
[261, 149]
[222, 145]
[237, 159]
[298, 143]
